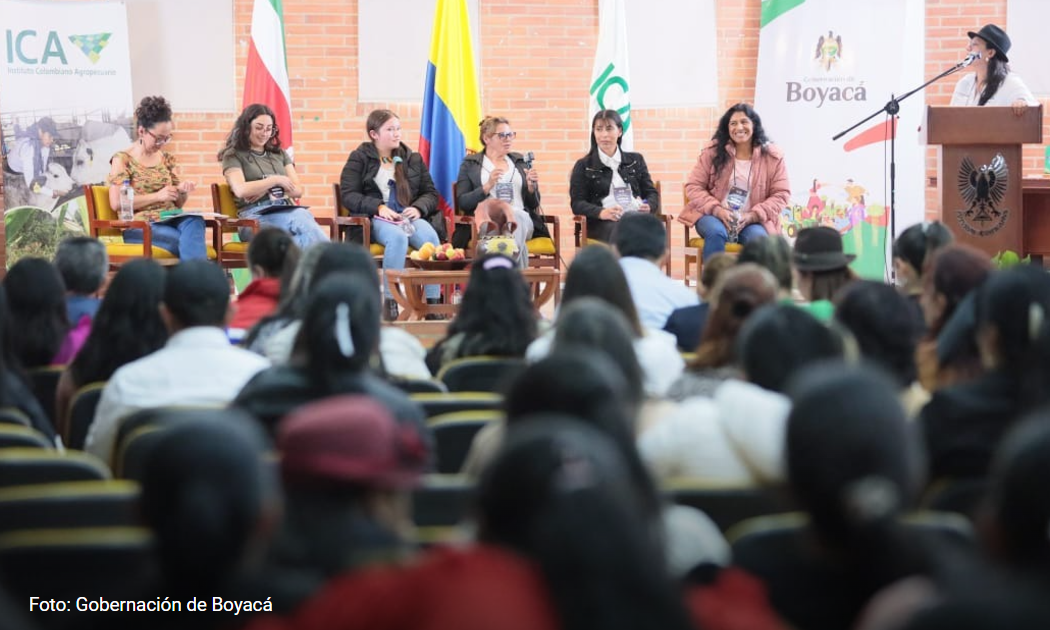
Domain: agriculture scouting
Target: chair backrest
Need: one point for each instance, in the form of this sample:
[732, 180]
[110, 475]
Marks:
[418, 385]
[29, 466]
[76, 504]
[14, 436]
[82, 414]
[442, 500]
[15, 416]
[770, 529]
[44, 382]
[481, 373]
[727, 505]
[136, 450]
[71, 563]
[337, 198]
[437, 404]
[98, 208]
[961, 496]
[160, 417]
[454, 434]
[222, 200]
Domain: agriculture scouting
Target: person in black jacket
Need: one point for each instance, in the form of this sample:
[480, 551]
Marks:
[498, 186]
[608, 182]
[387, 181]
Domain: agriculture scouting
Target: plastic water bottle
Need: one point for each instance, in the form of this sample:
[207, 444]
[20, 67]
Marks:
[457, 296]
[127, 201]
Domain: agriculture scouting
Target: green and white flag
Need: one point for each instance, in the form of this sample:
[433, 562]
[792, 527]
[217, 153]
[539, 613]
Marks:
[611, 77]
[823, 66]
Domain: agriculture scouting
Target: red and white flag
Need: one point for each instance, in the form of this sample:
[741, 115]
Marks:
[266, 77]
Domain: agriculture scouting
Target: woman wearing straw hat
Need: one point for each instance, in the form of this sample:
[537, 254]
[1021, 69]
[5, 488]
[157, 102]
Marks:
[992, 83]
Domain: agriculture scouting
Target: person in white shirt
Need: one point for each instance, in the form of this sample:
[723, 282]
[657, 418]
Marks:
[641, 241]
[992, 84]
[197, 366]
[32, 154]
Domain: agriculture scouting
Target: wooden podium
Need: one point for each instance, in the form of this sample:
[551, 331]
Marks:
[981, 196]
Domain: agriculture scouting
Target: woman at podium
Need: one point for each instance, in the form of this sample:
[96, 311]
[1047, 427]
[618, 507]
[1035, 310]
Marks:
[992, 83]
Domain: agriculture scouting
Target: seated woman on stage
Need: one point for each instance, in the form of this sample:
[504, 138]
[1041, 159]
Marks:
[262, 177]
[739, 185]
[159, 190]
[992, 83]
[498, 187]
[387, 181]
[608, 182]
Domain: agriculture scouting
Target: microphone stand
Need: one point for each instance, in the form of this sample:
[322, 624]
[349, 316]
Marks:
[891, 108]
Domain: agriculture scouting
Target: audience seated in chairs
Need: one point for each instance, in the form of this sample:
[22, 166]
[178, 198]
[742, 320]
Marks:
[83, 264]
[913, 251]
[594, 273]
[15, 392]
[272, 256]
[687, 323]
[197, 365]
[36, 301]
[821, 269]
[127, 327]
[496, 318]
[332, 355]
[348, 468]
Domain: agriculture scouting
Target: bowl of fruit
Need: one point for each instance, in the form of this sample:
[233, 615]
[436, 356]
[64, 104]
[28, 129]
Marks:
[442, 257]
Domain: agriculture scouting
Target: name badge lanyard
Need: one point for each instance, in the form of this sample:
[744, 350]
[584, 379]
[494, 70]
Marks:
[737, 196]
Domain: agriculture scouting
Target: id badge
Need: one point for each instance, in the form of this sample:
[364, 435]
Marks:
[623, 196]
[276, 193]
[505, 191]
[736, 198]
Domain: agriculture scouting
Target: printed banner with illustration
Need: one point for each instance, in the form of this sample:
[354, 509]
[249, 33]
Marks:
[823, 66]
[65, 108]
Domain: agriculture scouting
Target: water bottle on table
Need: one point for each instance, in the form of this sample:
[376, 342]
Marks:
[127, 201]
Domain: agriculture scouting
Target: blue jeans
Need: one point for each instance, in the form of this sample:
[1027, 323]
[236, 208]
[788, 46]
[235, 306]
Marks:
[298, 222]
[396, 243]
[714, 234]
[182, 236]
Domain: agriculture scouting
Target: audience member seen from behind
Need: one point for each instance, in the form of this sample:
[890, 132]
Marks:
[160, 191]
[954, 273]
[348, 470]
[992, 83]
[742, 290]
[878, 317]
[594, 273]
[739, 186]
[385, 180]
[83, 264]
[687, 323]
[821, 269]
[608, 183]
[912, 253]
[272, 256]
[36, 301]
[641, 242]
[197, 365]
[496, 318]
[332, 355]
[127, 327]
[14, 390]
[964, 423]
[499, 187]
[263, 179]
[853, 466]
[271, 336]
[773, 253]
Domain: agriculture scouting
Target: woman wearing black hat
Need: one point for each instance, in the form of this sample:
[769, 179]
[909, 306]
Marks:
[821, 268]
[992, 84]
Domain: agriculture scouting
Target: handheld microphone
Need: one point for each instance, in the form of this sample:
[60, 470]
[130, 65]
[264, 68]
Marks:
[529, 157]
[972, 57]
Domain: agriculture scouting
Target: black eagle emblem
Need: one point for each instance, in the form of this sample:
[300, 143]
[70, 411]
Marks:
[984, 188]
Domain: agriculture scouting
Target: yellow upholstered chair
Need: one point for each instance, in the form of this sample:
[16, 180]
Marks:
[694, 245]
[105, 225]
[344, 221]
[544, 251]
[668, 219]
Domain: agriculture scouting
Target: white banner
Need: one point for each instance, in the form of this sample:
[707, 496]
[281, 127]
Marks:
[65, 108]
[823, 66]
[611, 76]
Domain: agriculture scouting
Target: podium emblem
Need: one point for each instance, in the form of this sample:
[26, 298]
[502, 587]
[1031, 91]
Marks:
[983, 189]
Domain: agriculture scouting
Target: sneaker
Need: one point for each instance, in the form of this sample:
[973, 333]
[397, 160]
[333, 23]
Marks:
[389, 309]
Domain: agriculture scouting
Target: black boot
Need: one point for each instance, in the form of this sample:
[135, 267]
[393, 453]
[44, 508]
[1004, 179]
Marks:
[389, 309]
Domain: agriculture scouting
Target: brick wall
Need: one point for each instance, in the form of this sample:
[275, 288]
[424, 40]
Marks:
[537, 65]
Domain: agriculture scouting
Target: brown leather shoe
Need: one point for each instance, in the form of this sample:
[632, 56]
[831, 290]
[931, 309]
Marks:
[389, 309]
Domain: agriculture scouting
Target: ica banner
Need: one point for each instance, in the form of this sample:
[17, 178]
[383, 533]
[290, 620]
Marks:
[823, 66]
[65, 108]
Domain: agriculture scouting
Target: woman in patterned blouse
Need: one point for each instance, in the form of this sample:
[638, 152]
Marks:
[159, 191]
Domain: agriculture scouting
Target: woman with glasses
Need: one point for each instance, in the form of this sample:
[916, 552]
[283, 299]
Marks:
[385, 180]
[607, 182]
[160, 192]
[263, 180]
[500, 188]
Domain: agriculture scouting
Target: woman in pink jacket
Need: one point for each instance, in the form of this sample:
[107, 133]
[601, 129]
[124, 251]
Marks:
[739, 186]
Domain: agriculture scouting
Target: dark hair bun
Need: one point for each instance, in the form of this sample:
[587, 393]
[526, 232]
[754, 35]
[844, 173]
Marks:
[152, 110]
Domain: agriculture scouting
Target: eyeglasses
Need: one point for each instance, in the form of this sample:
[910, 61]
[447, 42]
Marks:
[506, 135]
[160, 140]
[270, 131]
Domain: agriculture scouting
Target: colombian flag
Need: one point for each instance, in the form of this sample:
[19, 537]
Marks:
[451, 104]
